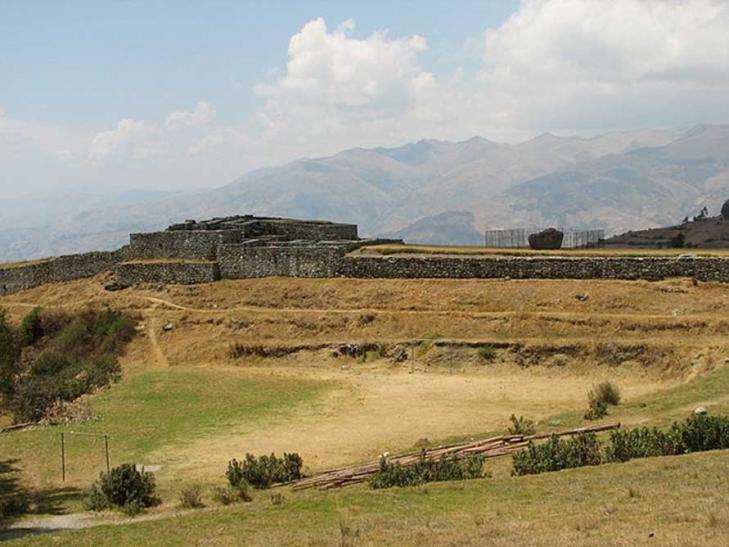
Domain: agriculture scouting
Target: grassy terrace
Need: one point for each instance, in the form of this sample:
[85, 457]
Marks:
[393, 249]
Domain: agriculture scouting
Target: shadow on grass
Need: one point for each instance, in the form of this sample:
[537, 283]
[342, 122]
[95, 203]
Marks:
[16, 500]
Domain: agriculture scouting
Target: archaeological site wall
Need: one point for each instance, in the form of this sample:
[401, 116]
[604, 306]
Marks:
[313, 231]
[27, 275]
[245, 261]
[198, 245]
[542, 267]
[173, 272]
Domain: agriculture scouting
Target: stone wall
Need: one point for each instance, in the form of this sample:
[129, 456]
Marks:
[291, 229]
[53, 270]
[177, 272]
[244, 261]
[198, 245]
[543, 267]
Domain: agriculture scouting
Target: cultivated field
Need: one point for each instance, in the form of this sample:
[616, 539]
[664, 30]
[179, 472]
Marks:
[187, 403]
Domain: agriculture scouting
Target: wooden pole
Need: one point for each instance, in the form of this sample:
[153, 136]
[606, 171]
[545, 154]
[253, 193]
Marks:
[106, 449]
[63, 460]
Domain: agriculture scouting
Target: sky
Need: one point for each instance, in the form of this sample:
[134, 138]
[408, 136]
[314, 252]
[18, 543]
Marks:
[179, 95]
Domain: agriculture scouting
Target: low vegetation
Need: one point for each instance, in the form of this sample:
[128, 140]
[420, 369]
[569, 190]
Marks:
[599, 398]
[425, 470]
[521, 426]
[557, 454]
[695, 434]
[54, 358]
[191, 497]
[126, 488]
[264, 471]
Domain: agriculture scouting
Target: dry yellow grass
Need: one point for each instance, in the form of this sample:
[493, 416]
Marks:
[181, 402]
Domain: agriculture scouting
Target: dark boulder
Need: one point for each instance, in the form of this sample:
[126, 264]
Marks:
[725, 210]
[550, 238]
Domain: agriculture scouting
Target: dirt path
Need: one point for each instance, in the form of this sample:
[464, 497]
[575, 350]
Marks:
[156, 301]
[47, 524]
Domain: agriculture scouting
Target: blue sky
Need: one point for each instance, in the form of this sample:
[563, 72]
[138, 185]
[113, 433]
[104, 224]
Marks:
[179, 95]
[94, 62]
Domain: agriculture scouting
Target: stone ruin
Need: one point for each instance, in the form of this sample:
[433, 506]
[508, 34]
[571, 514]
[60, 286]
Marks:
[236, 247]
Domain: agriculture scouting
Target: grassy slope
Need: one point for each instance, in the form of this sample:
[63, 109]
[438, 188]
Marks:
[618, 504]
[615, 504]
[152, 410]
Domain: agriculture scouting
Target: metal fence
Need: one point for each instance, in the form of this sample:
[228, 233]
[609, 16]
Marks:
[518, 238]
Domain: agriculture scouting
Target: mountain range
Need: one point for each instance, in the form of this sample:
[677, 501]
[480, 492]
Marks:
[434, 191]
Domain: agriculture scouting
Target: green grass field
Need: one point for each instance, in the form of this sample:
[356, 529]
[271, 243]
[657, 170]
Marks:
[152, 411]
[616, 504]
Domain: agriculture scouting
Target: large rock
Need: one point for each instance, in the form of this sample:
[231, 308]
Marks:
[725, 210]
[550, 238]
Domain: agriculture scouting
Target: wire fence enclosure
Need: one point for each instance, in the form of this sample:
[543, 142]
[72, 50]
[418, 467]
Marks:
[518, 238]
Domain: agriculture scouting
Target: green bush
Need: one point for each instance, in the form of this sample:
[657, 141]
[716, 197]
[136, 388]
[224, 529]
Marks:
[263, 471]
[699, 433]
[695, 434]
[70, 356]
[521, 426]
[598, 399]
[424, 470]
[31, 327]
[191, 497]
[556, 454]
[641, 442]
[124, 487]
[9, 353]
[596, 409]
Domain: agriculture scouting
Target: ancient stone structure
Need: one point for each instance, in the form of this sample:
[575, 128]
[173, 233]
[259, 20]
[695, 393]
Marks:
[247, 247]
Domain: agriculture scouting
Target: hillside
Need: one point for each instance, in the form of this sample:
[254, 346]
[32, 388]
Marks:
[619, 182]
[261, 365]
[709, 233]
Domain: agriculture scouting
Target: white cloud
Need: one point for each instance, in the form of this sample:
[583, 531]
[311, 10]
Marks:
[619, 42]
[555, 65]
[131, 139]
[201, 115]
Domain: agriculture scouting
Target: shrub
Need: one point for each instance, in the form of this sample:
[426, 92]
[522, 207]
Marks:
[596, 409]
[487, 352]
[124, 487]
[608, 392]
[641, 442]
[521, 426]
[699, 433]
[71, 356]
[225, 495]
[556, 454]
[424, 470]
[9, 354]
[598, 399]
[31, 327]
[263, 471]
[191, 497]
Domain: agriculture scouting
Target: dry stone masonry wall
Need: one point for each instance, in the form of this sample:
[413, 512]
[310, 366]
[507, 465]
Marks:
[245, 247]
[175, 272]
[53, 270]
[543, 267]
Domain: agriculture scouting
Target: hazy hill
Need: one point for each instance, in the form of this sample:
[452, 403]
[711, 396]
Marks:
[618, 181]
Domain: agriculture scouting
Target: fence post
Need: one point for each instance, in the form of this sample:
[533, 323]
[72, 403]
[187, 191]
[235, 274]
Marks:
[106, 448]
[63, 459]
